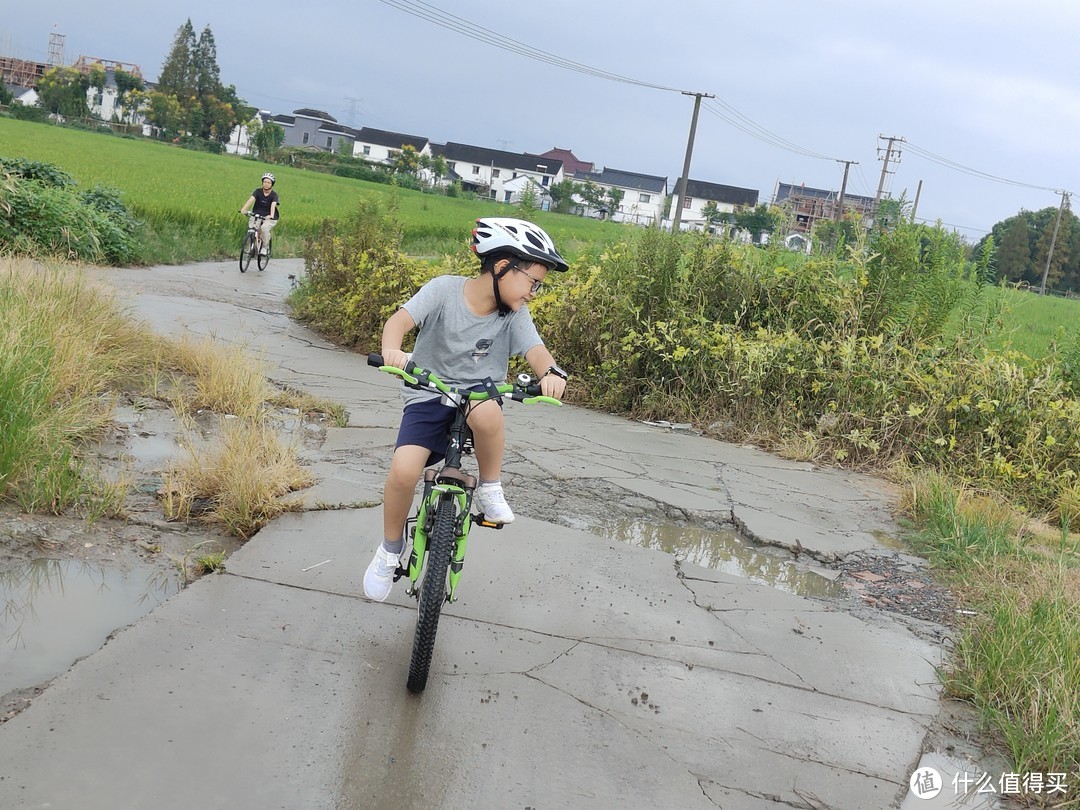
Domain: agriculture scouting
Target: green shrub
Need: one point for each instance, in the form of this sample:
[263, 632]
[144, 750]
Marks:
[357, 276]
[46, 173]
[42, 214]
[29, 112]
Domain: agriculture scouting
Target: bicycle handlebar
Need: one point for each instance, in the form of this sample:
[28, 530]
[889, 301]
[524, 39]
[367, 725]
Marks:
[419, 378]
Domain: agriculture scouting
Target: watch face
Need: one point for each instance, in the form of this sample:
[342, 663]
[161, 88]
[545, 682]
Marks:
[557, 372]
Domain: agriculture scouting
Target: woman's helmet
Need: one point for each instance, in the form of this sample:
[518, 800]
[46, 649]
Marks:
[269, 177]
[518, 238]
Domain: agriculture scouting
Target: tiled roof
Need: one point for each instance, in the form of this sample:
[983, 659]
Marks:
[479, 155]
[720, 193]
[392, 140]
[623, 179]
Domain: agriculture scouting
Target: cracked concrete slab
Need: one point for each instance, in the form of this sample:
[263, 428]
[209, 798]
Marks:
[574, 670]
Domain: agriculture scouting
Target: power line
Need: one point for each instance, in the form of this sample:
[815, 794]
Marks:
[732, 116]
[754, 130]
[426, 11]
[959, 167]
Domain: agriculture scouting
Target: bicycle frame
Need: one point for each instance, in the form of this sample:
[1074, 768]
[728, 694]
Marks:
[440, 530]
[443, 488]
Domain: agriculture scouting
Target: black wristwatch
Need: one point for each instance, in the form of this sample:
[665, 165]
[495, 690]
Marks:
[558, 372]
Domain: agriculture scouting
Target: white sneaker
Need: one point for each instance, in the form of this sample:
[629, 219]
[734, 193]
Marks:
[379, 577]
[489, 499]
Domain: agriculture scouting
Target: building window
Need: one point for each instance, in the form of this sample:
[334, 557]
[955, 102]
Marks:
[476, 170]
[545, 180]
[506, 196]
[452, 166]
[686, 201]
[305, 137]
[493, 194]
[329, 142]
[367, 149]
[494, 173]
[643, 198]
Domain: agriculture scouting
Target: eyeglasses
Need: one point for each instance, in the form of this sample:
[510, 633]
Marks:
[536, 283]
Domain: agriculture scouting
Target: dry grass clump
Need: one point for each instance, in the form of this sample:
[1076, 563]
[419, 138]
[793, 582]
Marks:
[67, 348]
[236, 481]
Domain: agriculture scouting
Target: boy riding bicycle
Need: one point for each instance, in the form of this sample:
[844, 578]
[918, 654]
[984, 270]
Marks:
[469, 328]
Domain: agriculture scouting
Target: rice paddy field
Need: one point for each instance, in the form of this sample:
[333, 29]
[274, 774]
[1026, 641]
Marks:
[199, 194]
[188, 201]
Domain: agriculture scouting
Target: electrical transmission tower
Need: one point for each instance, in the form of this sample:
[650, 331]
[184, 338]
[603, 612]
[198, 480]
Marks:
[352, 109]
[56, 49]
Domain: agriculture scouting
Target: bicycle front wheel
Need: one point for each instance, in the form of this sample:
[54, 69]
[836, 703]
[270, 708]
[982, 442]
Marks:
[264, 258]
[247, 251]
[432, 594]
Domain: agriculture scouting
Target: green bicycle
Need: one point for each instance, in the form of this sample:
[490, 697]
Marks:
[439, 531]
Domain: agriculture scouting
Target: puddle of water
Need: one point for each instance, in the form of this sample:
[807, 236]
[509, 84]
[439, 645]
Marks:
[53, 612]
[720, 550]
[890, 541]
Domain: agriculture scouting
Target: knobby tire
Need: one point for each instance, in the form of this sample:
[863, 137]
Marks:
[432, 594]
[247, 252]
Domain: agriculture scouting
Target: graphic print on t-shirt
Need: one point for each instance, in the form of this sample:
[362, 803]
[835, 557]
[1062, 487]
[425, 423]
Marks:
[483, 347]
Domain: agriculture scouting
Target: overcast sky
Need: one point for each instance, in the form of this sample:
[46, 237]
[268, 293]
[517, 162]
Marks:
[991, 85]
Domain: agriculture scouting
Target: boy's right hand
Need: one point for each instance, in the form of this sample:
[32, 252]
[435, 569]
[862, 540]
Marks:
[395, 358]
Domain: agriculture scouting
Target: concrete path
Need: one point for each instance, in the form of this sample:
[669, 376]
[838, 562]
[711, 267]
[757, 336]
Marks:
[574, 671]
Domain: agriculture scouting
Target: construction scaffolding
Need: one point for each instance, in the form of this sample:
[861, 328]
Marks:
[21, 72]
[84, 63]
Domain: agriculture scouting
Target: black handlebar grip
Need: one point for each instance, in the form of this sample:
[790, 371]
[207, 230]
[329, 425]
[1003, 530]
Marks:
[375, 360]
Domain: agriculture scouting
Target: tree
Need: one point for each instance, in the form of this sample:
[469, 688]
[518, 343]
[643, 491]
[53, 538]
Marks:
[63, 91]
[178, 78]
[562, 195]
[714, 216]
[757, 221]
[205, 65]
[5, 96]
[267, 138]
[164, 112]
[592, 194]
[129, 90]
[528, 203]
[406, 160]
[1054, 273]
[614, 197]
[1014, 255]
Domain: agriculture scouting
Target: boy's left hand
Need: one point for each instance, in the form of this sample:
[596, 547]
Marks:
[552, 385]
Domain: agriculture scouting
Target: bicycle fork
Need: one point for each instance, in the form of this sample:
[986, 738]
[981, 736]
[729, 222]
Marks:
[439, 495]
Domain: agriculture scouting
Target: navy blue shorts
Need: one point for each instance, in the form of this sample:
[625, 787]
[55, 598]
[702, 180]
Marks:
[426, 423]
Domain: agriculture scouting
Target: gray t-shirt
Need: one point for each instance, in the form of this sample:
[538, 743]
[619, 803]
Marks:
[463, 348]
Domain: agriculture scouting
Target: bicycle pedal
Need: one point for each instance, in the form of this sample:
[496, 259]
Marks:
[480, 520]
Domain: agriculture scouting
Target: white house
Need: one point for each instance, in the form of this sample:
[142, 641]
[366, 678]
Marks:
[487, 171]
[380, 146]
[698, 194]
[643, 195]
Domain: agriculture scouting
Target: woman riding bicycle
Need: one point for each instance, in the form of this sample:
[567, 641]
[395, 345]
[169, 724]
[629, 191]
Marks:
[469, 328]
[265, 203]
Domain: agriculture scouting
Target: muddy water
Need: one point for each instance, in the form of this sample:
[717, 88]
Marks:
[720, 550]
[53, 612]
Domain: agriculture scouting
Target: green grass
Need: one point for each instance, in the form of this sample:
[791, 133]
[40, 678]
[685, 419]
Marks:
[189, 199]
[1017, 657]
[1038, 322]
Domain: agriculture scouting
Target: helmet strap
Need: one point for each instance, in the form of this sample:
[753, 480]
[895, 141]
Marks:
[503, 309]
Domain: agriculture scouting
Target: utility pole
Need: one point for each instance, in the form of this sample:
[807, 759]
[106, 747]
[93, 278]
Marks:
[1053, 241]
[681, 191]
[915, 206]
[885, 167]
[843, 189]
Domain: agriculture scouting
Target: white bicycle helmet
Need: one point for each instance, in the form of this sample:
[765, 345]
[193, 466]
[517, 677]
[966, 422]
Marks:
[269, 177]
[518, 238]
